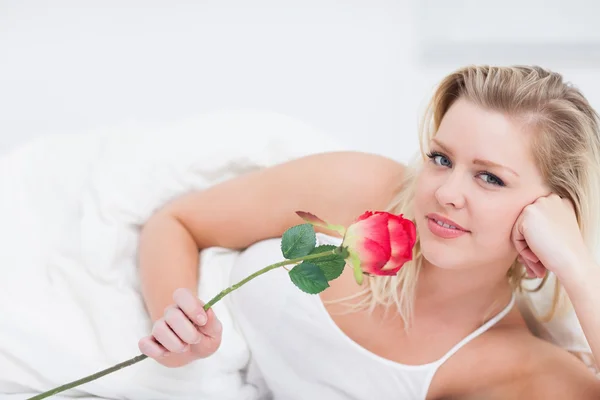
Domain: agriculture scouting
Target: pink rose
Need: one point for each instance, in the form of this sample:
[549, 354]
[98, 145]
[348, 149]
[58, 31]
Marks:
[378, 243]
[382, 242]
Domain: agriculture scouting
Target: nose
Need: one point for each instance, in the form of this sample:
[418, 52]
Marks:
[451, 191]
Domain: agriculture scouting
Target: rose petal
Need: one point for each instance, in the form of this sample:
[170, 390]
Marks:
[365, 215]
[373, 256]
[382, 241]
[374, 228]
[385, 270]
[402, 238]
[369, 238]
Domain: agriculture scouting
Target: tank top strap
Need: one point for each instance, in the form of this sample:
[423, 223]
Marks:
[483, 328]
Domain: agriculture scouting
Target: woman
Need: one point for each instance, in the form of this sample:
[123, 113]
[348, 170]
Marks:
[508, 186]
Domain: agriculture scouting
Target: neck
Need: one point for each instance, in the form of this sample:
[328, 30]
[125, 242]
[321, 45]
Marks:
[463, 296]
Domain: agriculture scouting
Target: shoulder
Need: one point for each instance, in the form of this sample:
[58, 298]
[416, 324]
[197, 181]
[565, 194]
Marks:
[520, 365]
[554, 373]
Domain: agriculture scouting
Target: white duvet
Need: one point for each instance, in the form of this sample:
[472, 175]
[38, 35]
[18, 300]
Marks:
[70, 210]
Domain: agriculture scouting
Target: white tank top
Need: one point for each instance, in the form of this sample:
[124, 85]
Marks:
[299, 353]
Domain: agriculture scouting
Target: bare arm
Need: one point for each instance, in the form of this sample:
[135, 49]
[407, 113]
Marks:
[584, 294]
[168, 259]
[549, 238]
[252, 207]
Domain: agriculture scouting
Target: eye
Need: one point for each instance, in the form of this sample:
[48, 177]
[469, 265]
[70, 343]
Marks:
[492, 179]
[439, 159]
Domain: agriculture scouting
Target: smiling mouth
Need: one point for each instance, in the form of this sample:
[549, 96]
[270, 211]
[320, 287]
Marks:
[445, 225]
[444, 230]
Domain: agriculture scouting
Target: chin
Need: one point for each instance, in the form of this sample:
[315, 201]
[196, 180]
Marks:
[444, 255]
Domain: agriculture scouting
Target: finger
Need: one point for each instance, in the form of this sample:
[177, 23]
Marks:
[517, 234]
[529, 255]
[190, 305]
[151, 348]
[213, 327]
[211, 336]
[182, 326]
[520, 245]
[538, 269]
[528, 272]
[166, 337]
[516, 230]
[535, 269]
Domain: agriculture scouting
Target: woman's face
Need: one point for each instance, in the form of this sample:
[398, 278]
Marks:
[479, 175]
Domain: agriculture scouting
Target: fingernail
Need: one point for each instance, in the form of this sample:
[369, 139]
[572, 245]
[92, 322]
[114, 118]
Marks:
[201, 318]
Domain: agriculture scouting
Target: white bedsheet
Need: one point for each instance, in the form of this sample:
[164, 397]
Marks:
[70, 210]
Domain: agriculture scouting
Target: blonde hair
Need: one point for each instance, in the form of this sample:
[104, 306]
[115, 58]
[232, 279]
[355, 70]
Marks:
[566, 147]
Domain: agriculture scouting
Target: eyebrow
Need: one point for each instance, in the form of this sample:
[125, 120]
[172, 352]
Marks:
[477, 161]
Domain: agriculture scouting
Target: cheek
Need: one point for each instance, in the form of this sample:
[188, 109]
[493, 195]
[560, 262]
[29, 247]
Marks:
[424, 189]
[494, 222]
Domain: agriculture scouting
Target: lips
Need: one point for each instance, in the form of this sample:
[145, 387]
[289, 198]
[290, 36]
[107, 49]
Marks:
[445, 222]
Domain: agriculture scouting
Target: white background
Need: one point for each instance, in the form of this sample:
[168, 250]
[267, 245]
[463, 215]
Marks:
[359, 70]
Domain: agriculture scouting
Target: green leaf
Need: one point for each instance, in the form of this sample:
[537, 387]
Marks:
[309, 278]
[331, 265]
[298, 241]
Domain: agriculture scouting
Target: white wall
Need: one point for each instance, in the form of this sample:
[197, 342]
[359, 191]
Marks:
[356, 69]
